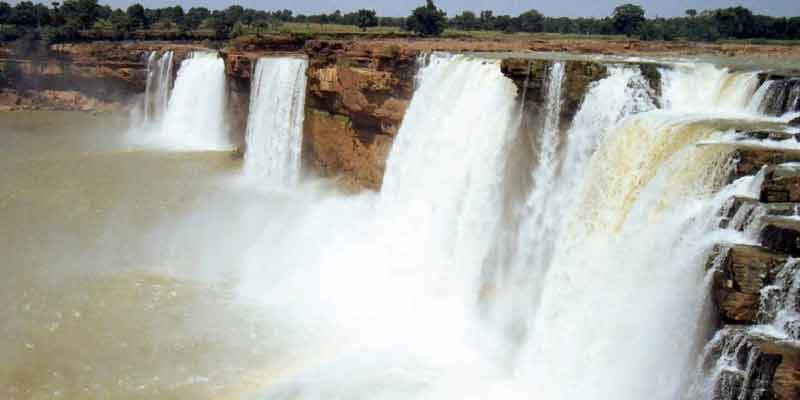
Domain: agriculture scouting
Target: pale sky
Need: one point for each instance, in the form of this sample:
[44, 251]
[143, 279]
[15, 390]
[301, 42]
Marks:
[569, 8]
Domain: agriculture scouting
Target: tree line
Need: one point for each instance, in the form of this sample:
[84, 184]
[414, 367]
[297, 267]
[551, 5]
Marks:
[68, 20]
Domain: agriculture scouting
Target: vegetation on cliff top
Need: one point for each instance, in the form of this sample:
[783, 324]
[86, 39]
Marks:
[85, 19]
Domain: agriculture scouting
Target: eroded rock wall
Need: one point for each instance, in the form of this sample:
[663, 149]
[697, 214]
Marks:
[96, 76]
[755, 353]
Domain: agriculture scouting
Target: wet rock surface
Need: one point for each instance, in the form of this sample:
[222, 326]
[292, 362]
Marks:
[741, 272]
[756, 354]
[753, 366]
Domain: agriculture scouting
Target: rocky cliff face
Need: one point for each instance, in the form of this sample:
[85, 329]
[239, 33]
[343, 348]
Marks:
[81, 76]
[355, 102]
[752, 285]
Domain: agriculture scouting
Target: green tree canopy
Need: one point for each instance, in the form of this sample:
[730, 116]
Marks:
[530, 21]
[736, 22]
[628, 19]
[427, 20]
[138, 18]
[366, 19]
[195, 16]
[467, 21]
[80, 14]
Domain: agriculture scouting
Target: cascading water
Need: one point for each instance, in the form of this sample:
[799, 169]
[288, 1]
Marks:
[194, 118]
[559, 168]
[275, 124]
[159, 83]
[779, 96]
[705, 88]
[442, 181]
[605, 293]
[396, 288]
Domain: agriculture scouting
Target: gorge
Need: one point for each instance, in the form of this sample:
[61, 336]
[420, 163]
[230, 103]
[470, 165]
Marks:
[411, 223]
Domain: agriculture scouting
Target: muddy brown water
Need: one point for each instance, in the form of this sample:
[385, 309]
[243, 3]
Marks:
[104, 293]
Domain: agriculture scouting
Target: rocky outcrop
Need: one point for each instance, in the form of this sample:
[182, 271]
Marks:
[782, 96]
[740, 273]
[78, 76]
[753, 366]
[755, 353]
[356, 100]
[749, 159]
[781, 234]
[333, 148]
[531, 78]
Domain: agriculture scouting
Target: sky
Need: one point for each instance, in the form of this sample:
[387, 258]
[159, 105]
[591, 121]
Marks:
[555, 8]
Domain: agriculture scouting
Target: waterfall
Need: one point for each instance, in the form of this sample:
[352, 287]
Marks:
[443, 175]
[559, 168]
[705, 87]
[779, 96]
[605, 293]
[194, 118]
[158, 85]
[275, 123]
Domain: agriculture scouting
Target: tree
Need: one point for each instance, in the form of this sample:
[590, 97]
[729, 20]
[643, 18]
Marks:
[736, 22]
[487, 20]
[467, 21]
[691, 13]
[366, 19]
[216, 22]
[427, 20]
[121, 24]
[628, 19]
[80, 14]
[24, 14]
[5, 13]
[284, 15]
[232, 15]
[195, 17]
[138, 18]
[530, 21]
[504, 23]
[172, 14]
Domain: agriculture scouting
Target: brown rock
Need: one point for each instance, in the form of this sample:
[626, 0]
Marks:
[738, 212]
[781, 184]
[741, 271]
[333, 149]
[749, 159]
[781, 234]
[754, 366]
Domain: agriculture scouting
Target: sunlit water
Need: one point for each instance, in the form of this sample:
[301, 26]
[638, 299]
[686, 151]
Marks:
[117, 265]
[153, 270]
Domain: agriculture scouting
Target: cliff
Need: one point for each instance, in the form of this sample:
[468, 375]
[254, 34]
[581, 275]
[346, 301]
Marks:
[358, 89]
[81, 76]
